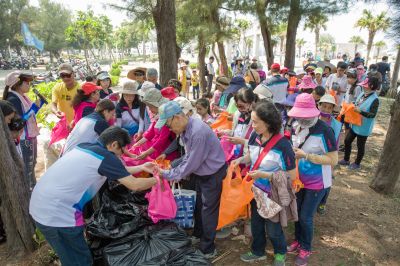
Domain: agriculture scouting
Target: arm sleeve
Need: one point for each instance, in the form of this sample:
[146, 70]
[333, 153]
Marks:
[112, 168]
[165, 136]
[197, 154]
[288, 157]
[372, 111]
[172, 147]
[100, 126]
[55, 94]
[331, 158]
[17, 105]
[328, 140]
[149, 134]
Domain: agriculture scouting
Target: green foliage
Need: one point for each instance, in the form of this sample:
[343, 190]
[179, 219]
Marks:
[114, 80]
[356, 40]
[39, 237]
[373, 23]
[47, 16]
[41, 117]
[115, 72]
[124, 62]
[193, 65]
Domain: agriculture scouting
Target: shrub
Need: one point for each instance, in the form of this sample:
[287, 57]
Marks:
[193, 65]
[124, 62]
[114, 80]
[115, 72]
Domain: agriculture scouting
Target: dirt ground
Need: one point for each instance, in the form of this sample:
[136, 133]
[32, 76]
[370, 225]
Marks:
[360, 227]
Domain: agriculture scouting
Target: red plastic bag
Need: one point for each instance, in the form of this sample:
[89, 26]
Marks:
[60, 131]
[162, 204]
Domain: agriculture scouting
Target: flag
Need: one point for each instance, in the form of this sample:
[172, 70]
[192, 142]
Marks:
[30, 39]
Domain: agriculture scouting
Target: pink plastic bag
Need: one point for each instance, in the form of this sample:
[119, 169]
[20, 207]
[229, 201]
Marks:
[162, 205]
[60, 131]
[228, 148]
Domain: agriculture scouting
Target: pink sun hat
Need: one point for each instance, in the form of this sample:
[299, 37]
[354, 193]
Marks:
[307, 83]
[304, 107]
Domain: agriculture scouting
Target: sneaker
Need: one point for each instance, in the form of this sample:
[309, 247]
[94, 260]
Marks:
[354, 166]
[279, 260]
[294, 247]
[250, 257]
[195, 240]
[321, 209]
[211, 255]
[344, 162]
[302, 258]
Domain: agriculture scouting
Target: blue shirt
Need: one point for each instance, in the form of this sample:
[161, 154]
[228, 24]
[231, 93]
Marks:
[62, 192]
[278, 86]
[204, 154]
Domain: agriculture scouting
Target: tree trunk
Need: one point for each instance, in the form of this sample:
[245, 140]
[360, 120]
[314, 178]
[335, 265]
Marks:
[388, 171]
[355, 48]
[215, 54]
[14, 196]
[223, 68]
[371, 36]
[201, 62]
[293, 23]
[377, 54]
[395, 76]
[165, 22]
[281, 45]
[261, 6]
[316, 41]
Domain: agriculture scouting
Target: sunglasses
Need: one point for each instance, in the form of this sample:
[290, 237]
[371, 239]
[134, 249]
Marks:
[64, 75]
[137, 74]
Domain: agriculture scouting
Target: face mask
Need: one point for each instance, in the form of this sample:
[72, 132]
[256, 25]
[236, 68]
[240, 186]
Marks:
[307, 122]
[325, 115]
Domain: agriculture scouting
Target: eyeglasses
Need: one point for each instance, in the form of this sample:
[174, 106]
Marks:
[64, 75]
[169, 125]
[138, 74]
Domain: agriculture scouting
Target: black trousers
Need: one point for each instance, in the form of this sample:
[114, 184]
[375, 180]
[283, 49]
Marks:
[361, 140]
[206, 213]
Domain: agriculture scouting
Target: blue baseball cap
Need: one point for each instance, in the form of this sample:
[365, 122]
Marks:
[167, 110]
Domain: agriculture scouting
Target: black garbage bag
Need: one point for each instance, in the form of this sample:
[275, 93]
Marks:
[186, 256]
[145, 245]
[122, 212]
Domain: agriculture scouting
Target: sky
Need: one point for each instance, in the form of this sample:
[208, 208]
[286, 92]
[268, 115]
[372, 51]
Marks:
[341, 27]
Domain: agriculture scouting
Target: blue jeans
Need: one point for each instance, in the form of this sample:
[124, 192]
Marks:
[69, 244]
[196, 90]
[325, 198]
[274, 231]
[307, 204]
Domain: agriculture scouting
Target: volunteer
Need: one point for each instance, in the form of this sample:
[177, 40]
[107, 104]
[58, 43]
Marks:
[267, 123]
[62, 192]
[131, 111]
[307, 85]
[315, 148]
[64, 92]
[326, 106]
[90, 127]
[278, 86]
[104, 80]
[367, 105]
[85, 101]
[320, 80]
[17, 86]
[154, 140]
[242, 128]
[204, 161]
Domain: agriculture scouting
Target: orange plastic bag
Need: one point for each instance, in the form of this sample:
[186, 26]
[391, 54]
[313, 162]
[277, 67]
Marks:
[236, 195]
[222, 122]
[297, 184]
[292, 84]
[350, 116]
[163, 164]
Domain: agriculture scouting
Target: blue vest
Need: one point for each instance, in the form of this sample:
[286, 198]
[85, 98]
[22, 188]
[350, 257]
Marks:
[367, 124]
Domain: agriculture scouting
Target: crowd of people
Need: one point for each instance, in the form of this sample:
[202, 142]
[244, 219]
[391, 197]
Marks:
[287, 128]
